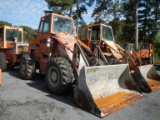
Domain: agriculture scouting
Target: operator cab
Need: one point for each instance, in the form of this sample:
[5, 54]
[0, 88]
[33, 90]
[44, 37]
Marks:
[93, 34]
[145, 46]
[54, 23]
[8, 35]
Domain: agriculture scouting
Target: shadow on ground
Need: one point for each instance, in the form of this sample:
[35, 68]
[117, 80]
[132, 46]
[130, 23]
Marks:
[38, 82]
[157, 67]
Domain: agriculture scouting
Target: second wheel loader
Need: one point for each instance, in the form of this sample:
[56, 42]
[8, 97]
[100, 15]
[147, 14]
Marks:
[57, 54]
[100, 36]
[12, 46]
[145, 53]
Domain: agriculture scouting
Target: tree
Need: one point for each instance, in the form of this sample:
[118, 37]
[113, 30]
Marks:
[128, 30]
[148, 19]
[136, 23]
[107, 9]
[65, 7]
[4, 23]
[60, 6]
[28, 32]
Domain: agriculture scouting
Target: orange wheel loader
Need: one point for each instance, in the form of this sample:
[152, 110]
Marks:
[100, 36]
[146, 53]
[57, 54]
[12, 46]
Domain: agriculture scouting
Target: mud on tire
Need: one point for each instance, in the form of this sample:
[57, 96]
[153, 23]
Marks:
[27, 67]
[3, 64]
[59, 75]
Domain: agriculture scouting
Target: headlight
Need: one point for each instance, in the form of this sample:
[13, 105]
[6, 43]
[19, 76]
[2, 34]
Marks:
[48, 40]
[48, 44]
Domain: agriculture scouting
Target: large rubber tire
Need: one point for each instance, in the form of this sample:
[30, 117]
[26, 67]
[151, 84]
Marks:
[27, 67]
[59, 75]
[3, 64]
[152, 59]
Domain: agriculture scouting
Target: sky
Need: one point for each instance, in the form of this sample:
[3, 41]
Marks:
[28, 12]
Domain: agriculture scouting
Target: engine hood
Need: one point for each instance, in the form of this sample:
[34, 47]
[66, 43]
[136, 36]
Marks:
[67, 43]
[66, 40]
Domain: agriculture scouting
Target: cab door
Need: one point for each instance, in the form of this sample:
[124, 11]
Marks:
[44, 33]
[84, 35]
[95, 36]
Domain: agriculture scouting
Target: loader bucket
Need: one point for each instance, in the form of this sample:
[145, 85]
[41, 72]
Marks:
[151, 76]
[103, 90]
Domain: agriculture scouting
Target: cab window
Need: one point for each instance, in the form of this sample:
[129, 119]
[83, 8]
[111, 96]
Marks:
[44, 25]
[84, 33]
[41, 26]
[95, 33]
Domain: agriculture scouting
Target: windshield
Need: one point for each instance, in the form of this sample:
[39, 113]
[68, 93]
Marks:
[127, 47]
[63, 25]
[11, 34]
[145, 46]
[107, 33]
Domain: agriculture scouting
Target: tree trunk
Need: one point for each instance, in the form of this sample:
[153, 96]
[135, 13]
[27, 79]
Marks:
[156, 17]
[136, 23]
[77, 5]
[70, 9]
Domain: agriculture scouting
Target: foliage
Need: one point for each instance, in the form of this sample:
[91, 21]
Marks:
[156, 45]
[4, 23]
[28, 32]
[65, 7]
[149, 16]
[105, 9]
[60, 6]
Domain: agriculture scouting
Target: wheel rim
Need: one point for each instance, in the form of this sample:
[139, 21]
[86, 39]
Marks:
[23, 67]
[53, 76]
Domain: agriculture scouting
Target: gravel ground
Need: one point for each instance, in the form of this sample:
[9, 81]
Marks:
[31, 100]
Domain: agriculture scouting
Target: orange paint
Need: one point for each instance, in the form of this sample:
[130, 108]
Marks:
[110, 104]
[11, 46]
[146, 50]
[154, 85]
